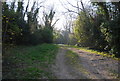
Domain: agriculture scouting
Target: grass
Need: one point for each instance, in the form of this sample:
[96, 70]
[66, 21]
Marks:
[73, 57]
[99, 53]
[74, 60]
[94, 51]
[33, 62]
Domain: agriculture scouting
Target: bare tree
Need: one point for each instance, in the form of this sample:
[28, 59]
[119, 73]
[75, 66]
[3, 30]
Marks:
[48, 18]
[33, 16]
[79, 7]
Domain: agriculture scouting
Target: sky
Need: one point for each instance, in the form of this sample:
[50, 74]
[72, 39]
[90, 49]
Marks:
[58, 7]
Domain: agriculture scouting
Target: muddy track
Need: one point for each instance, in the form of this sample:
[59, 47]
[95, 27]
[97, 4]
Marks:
[90, 66]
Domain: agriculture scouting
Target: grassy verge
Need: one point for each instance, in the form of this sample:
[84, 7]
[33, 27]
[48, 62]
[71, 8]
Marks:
[33, 62]
[94, 51]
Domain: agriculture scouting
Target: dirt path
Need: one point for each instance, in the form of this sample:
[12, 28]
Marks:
[62, 70]
[90, 66]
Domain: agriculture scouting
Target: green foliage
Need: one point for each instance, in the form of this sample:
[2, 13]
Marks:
[111, 30]
[58, 37]
[82, 30]
[17, 30]
[100, 31]
[44, 35]
[11, 24]
[47, 34]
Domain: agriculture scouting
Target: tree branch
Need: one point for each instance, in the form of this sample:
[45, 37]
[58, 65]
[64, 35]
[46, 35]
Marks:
[75, 6]
[55, 22]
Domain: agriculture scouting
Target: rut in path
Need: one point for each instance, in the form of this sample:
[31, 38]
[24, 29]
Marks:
[85, 69]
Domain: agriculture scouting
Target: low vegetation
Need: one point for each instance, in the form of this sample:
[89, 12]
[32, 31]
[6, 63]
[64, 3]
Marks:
[73, 57]
[74, 60]
[94, 51]
[100, 53]
[23, 62]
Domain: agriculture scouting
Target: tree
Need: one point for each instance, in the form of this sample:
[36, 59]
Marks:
[16, 30]
[109, 26]
[48, 26]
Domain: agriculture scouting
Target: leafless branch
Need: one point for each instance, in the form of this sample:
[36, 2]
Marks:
[55, 22]
[73, 11]
[26, 9]
[74, 6]
[78, 6]
[69, 10]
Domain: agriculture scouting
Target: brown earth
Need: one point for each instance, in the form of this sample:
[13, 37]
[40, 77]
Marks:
[89, 66]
